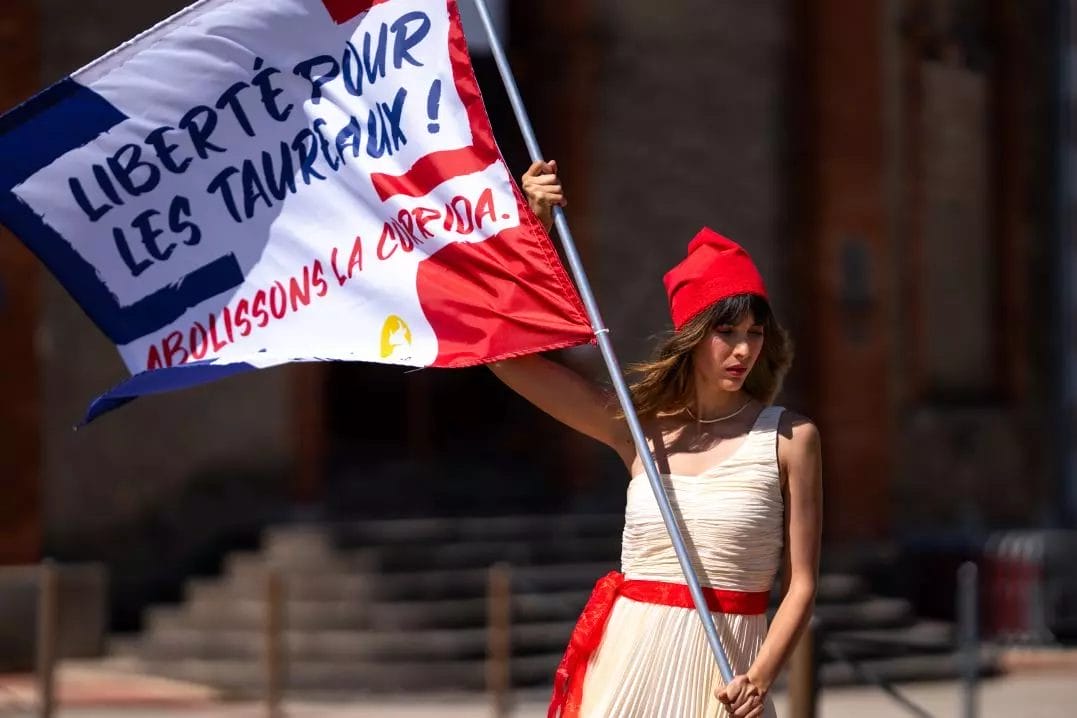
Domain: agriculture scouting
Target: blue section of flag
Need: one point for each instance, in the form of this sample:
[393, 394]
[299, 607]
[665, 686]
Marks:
[62, 118]
[159, 381]
[34, 135]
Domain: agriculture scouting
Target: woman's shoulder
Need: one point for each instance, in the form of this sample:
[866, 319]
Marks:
[797, 433]
[797, 428]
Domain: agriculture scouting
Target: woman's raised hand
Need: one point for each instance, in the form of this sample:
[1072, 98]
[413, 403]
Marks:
[542, 187]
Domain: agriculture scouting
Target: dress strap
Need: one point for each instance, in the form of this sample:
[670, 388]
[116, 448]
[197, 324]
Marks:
[763, 438]
[769, 419]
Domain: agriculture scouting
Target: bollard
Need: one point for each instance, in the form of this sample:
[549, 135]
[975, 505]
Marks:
[1025, 579]
[498, 639]
[48, 616]
[274, 654]
[993, 568]
[968, 635]
[803, 674]
[1036, 617]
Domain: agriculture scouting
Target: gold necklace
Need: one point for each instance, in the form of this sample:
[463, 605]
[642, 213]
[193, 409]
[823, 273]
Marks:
[720, 418]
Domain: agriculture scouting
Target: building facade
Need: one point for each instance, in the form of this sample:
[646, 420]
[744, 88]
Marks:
[887, 162]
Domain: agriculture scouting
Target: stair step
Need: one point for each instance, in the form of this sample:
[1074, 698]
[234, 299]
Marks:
[221, 611]
[324, 587]
[248, 580]
[126, 645]
[454, 613]
[308, 586]
[214, 604]
[248, 565]
[315, 646]
[440, 584]
[497, 528]
[298, 543]
[481, 554]
[246, 676]
[250, 614]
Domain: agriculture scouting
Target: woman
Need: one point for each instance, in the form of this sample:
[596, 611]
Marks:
[743, 477]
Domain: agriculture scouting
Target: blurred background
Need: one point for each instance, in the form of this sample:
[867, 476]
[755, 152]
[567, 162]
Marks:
[901, 170]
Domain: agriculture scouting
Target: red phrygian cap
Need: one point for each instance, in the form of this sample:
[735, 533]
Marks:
[715, 268]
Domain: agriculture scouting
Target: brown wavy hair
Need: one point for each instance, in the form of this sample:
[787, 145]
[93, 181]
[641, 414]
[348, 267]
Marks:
[666, 384]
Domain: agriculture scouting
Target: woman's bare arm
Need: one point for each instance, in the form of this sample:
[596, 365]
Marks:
[803, 531]
[799, 456]
[568, 397]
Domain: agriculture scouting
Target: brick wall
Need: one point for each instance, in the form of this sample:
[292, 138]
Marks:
[972, 420]
[20, 449]
[687, 131]
[143, 456]
[689, 124]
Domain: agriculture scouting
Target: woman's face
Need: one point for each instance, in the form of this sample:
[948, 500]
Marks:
[728, 352]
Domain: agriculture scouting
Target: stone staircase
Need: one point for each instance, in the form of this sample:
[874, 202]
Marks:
[400, 606]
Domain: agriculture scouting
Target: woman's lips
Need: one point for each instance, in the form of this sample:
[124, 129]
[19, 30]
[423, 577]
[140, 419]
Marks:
[737, 371]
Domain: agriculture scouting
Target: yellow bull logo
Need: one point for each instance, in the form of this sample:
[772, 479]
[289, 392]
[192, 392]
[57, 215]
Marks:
[395, 333]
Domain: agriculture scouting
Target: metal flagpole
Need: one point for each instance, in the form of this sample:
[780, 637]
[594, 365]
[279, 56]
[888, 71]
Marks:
[602, 334]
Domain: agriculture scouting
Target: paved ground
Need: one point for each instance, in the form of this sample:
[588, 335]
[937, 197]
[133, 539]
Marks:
[1042, 693]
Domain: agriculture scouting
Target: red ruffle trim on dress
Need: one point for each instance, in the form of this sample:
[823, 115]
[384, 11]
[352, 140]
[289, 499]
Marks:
[568, 681]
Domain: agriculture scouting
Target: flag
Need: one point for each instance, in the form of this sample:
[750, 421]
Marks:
[254, 182]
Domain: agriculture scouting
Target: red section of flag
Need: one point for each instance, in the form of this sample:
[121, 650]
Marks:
[430, 171]
[505, 296]
[502, 297]
[344, 10]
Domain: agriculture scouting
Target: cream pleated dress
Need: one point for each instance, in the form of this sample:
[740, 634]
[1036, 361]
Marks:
[654, 661]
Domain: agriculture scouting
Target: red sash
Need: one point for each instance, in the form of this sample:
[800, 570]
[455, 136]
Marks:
[568, 681]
